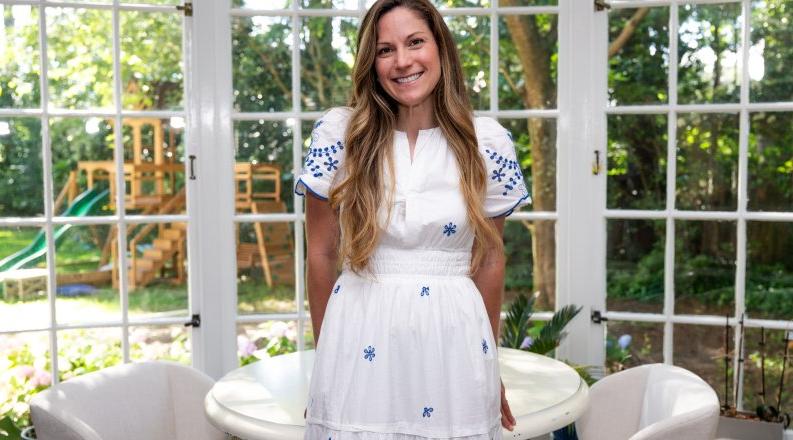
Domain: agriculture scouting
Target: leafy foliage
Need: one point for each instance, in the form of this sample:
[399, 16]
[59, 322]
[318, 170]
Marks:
[544, 337]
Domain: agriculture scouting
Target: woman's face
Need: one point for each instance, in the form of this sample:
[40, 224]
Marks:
[407, 62]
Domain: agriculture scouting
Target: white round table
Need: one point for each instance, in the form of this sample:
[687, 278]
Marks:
[266, 399]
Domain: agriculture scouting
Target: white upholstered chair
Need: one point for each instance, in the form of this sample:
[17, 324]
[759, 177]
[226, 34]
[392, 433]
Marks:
[650, 402]
[150, 400]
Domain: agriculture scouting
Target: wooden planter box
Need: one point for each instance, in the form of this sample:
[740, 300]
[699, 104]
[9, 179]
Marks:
[732, 428]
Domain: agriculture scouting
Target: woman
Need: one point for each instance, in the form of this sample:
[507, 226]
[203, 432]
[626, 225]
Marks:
[410, 192]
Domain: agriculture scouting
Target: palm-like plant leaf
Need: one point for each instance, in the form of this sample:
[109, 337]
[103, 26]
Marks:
[553, 331]
[516, 324]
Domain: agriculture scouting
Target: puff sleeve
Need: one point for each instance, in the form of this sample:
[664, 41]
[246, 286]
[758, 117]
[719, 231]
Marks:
[325, 154]
[506, 189]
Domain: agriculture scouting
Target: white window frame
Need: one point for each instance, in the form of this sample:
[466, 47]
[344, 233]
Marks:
[596, 120]
[221, 156]
[120, 219]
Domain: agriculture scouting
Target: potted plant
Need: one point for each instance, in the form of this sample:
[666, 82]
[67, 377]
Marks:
[767, 421]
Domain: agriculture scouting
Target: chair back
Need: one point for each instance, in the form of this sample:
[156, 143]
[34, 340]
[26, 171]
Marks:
[152, 400]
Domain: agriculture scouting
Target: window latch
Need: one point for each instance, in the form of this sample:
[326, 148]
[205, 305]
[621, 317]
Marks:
[187, 8]
[597, 317]
[601, 5]
[195, 321]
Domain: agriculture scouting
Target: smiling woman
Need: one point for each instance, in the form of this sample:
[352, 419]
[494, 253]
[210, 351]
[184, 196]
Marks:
[409, 192]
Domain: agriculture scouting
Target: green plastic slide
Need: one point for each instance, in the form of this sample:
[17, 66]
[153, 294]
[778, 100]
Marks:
[85, 204]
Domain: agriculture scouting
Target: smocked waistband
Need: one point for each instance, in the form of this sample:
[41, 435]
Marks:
[393, 261]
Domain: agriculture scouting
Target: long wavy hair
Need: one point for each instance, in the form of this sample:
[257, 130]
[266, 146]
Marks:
[369, 139]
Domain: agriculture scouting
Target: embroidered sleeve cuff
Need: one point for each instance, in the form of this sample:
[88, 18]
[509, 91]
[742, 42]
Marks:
[307, 183]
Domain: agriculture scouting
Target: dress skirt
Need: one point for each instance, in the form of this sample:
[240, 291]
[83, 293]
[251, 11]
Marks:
[406, 352]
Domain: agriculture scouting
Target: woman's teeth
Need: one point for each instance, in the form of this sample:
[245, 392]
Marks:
[408, 79]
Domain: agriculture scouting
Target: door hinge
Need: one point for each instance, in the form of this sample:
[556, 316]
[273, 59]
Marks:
[597, 317]
[601, 5]
[195, 321]
[187, 8]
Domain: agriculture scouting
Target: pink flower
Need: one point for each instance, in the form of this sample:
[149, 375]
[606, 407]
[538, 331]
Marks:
[24, 372]
[41, 378]
[245, 346]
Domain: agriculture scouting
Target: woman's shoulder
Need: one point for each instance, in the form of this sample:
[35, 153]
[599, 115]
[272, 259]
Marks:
[491, 134]
[335, 117]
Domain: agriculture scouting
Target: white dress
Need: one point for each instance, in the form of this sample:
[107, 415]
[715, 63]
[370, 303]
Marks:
[409, 353]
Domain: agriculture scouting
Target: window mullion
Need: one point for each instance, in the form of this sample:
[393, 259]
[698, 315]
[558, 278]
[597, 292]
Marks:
[581, 199]
[297, 161]
[46, 158]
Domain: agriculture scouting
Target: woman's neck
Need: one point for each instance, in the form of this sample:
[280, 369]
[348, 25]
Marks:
[415, 118]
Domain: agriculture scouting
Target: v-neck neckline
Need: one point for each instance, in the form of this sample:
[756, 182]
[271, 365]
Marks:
[420, 141]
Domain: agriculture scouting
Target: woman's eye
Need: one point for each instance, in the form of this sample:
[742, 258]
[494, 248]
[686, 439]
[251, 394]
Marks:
[383, 51]
[416, 41]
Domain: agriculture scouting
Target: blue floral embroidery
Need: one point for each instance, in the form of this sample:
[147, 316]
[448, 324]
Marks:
[369, 353]
[319, 159]
[449, 229]
[508, 170]
[427, 411]
[484, 346]
[425, 291]
[336, 290]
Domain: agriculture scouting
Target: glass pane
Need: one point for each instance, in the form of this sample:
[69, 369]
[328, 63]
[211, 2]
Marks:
[530, 268]
[472, 35]
[151, 60]
[262, 63]
[509, 3]
[461, 3]
[160, 343]
[157, 275]
[704, 358]
[23, 279]
[326, 58]
[19, 57]
[528, 55]
[329, 4]
[630, 344]
[86, 263]
[535, 145]
[708, 53]
[704, 268]
[80, 56]
[269, 338]
[261, 4]
[155, 2]
[25, 361]
[83, 167]
[707, 162]
[770, 55]
[21, 175]
[87, 350]
[638, 56]
[309, 335]
[263, 170]
[636, 161]
[773, 351]
[635, 265]
[769, 270]
[771, 162]
[154, 165]
[266, 265]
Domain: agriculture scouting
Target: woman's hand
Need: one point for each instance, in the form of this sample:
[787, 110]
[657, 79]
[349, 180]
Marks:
[507, 420]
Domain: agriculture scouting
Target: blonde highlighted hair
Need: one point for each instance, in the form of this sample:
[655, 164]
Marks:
[369, 138]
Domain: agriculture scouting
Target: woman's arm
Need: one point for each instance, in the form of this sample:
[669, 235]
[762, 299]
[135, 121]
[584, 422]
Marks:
[489, 279]
[322, 237]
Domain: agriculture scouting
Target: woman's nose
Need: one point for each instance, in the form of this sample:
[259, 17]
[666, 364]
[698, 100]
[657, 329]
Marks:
[403, 59]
